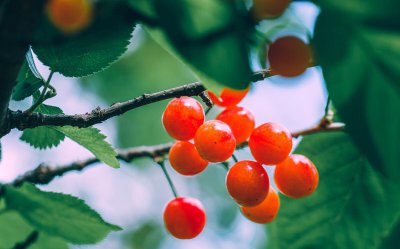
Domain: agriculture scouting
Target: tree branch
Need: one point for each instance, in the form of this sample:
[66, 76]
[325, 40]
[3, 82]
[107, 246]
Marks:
[21, 121]
[44, 173]
[18, 20]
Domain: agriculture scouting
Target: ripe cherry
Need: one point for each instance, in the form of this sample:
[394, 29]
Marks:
[215, 141]
[289, 56]
[240, 120]
[70, 16]
[185, 159]
[182, 117]
[269, 8]
[184, 217]
[266, 211]
[248, 183]
[270, 143]
[296, 177]
[228, 96]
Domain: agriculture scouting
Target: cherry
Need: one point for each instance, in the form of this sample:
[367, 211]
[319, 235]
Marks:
[182, 117]
[228, 96]
[289, 56]
[270, 143]
[269, 8]
[184, 217]
[70, 16]
[248, 183]
[240, 120]
[185, 159]
[266, 211]
[215, 141]
[296, 177]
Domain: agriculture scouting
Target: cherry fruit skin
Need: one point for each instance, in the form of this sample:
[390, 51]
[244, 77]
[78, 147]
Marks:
[248, 183]
[70, 16]
[240, 120]
[184, 217]
[270, 143]
[266, 211]
[269, 8]
[289, 56]
[214, 141]
[296, 177]
[182, 117]
[185, 159]
[228, 96]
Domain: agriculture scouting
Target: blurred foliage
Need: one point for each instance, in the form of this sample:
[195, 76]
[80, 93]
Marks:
[354, 206]
[362, 80]
[146, 236]
[148, 68]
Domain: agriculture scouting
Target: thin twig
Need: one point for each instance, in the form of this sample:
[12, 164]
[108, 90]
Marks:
[44, 173]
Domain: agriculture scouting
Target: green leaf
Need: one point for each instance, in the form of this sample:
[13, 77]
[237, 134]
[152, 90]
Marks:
[362, 81]
[58, 214]
[210, 35]
[45, 241]
[354, 205]
[27, 83]
[13, 229]
[94, 141]
[92, 50]
[44, 137]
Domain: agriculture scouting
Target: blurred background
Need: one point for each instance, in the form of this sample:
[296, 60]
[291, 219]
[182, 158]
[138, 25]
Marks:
[134, 196]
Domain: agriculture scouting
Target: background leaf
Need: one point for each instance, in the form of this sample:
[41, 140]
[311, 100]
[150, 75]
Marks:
[93, 140]
[83, 54]
[58, 214]
[354, 205]
[360, 65]
[202, 31]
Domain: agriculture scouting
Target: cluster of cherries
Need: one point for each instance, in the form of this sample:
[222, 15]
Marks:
[214, 141]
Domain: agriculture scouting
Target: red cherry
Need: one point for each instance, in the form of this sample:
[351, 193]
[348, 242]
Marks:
[270, 143]
[215, 141]
[182, 117]
[289, 56]
[228, 96]
[266, 211]
[248, 183]
[240, 120]
[185, 159]
[184, 217]
[296, 177]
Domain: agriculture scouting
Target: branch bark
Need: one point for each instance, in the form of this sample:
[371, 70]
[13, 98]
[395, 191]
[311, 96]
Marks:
[21, 121]
[44, 173]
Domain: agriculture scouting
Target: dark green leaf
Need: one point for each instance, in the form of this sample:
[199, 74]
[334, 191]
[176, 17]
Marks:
[44, 137]
[27, 83]
[143, 6]
[58, 214]
[92, 50]
[13, 229]
[354, 205]
[93, 140]
[210, 35]
[45, 241]
[363, 83]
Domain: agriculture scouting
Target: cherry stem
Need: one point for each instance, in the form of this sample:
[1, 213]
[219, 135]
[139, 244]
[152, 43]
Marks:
[234, 158]
[171, 184]
[208, 110]
[225, 165]
[42, 96]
